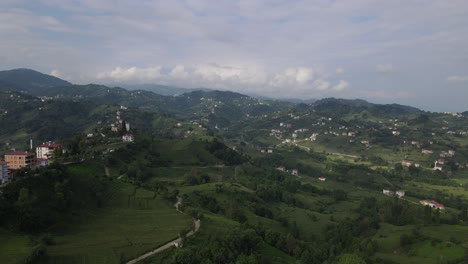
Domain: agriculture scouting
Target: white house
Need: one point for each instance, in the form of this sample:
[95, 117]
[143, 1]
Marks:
[45, 150]
[294, 172]
[322, 179]
[400, 193]
[128, 138]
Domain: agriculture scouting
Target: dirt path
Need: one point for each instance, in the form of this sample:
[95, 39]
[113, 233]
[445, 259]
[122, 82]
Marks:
[169, 244]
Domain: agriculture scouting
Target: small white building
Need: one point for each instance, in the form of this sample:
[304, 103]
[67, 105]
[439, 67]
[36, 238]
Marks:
[294, 172]
[128, 138]
[400, 193]
[322, 179]
[388, 192]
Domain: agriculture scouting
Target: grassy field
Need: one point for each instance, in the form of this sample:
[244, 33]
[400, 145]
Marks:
[440, 250]
[130, 226]
[13, 247]
[130, 222]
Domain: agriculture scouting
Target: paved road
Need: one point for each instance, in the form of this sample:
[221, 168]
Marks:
[169, 244]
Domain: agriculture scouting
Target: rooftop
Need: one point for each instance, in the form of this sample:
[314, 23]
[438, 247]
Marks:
[49, 145]
[20, 153]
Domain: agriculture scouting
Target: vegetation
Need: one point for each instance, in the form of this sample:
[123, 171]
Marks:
[249, 169]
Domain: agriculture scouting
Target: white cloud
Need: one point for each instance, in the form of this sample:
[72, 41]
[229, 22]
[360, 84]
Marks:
[342, 85]
[294, 81]
[458, 78]
[56, 73]
[132, 74]
[385, 68]
[293, 77]
[339, 71]
[178, 72]
[321, 85]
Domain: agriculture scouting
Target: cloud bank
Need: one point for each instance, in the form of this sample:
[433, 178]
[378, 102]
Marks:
[307, 81]
[293, 48]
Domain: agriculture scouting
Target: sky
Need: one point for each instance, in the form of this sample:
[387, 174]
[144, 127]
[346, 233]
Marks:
[412, 52]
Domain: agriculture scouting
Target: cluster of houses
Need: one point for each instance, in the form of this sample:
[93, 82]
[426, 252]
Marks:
[25, 159]
[293, 171]
[400, 193]
[120, 124]
[437, 163]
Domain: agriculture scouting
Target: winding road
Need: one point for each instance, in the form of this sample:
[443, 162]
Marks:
[173, 242]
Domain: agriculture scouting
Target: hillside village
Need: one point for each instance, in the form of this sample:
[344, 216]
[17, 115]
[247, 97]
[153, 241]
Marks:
[46, 153]
[298, 170]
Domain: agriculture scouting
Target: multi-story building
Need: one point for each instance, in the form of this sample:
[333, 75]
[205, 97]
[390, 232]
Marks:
[45, 151]
[20, 159]
[3, 172]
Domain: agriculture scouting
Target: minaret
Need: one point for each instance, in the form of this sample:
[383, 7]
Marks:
[30, 144]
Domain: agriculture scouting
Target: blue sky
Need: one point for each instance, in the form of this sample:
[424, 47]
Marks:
[412, 52]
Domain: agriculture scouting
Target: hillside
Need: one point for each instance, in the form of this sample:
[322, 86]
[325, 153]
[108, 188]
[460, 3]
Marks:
[270, 181]
[160, 89]
[28, 81]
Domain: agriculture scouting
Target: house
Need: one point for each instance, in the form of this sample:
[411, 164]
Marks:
[396, 132]
[128, 138]
[432, 204]
[426, 151]
[270, 151]
[45, 150]
[20, 159]
[294, 172]
[388, 192]
[281, 168]
[436, 167]
[397, 193]
[365, 142]
[322, 179]
[406, 163]
[4, 177]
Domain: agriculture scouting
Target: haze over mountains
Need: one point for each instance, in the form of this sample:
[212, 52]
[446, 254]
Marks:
[39, 84]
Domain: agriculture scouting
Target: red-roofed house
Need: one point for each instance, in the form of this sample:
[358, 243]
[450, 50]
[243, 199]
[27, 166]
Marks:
[20, 159]
[432, 204]
[44, 151]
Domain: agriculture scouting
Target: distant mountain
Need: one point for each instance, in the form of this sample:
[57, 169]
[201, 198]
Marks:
[341, 107]
[160, 89]
[29, 81]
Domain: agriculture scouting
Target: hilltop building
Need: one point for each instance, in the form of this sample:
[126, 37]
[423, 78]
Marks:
[20, 159]
[45, 150]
